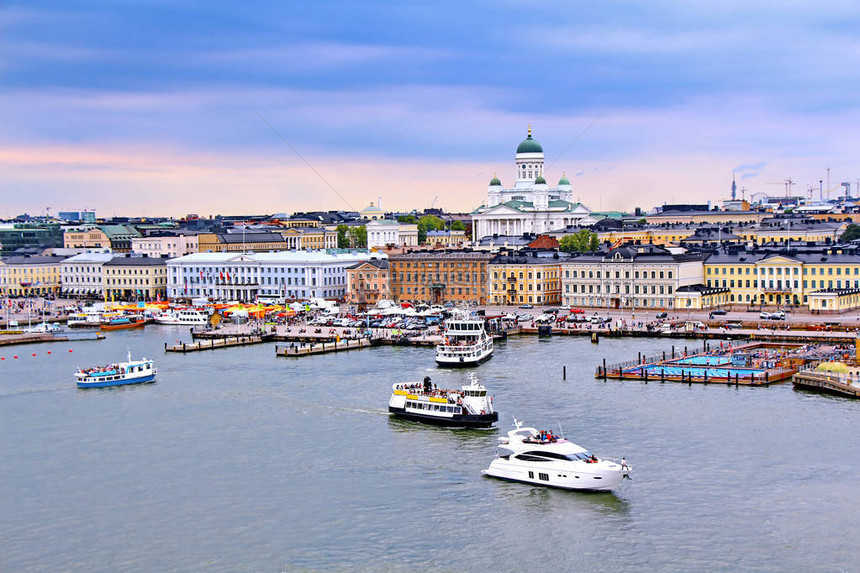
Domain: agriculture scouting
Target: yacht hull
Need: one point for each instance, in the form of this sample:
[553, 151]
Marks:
[463, 361]
[455, 421]
[552, 475]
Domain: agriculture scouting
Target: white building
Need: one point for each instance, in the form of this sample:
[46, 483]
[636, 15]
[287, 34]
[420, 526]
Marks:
[289, 275]
[168, 243]
[631, 276]
[531, 205]
[382, 232]
[83, 274]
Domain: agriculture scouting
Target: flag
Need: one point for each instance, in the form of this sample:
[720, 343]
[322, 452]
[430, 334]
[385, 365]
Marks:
[228, 275]
[220, 274]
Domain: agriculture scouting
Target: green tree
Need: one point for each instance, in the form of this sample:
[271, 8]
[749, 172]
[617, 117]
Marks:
[357, 237]
[428, 223]
[409, 219]
[458, 225]
[582, 242]
[852, 232]
[342, 239]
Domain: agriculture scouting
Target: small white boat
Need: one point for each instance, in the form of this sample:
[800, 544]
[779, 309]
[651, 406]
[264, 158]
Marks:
[120, 374]
[43, 328]
[183, 316]
[466, 342]
[541, 458]
[468, 407]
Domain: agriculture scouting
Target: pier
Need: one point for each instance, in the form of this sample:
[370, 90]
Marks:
[829, 383]
[308, 349]
[215, 343]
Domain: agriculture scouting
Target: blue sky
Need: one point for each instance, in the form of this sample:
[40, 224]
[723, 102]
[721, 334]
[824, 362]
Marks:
[152, 107]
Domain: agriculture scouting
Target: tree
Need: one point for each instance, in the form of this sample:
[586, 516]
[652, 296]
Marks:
[582, 242]
[342, 239]
[458, 225]
[357, 237]
[428, 223]
[408, 219]
[852, 232]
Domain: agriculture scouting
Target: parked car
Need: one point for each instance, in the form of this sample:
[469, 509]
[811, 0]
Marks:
[577, 311]
[526, 305]
[662, 314]
[778, 315]
[764, 315]
[719, 311]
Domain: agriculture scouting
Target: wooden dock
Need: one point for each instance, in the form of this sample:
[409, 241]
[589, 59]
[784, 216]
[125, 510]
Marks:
[308, 349]
[215, 343]
[827, 383]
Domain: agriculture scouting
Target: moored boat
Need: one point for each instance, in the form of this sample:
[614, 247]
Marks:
[120, 374]
[466, 342]
[468, 407]
[541, 458]
[183, 316]
[122, 322]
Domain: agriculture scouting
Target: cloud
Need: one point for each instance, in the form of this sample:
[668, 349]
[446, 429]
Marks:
[749, 170]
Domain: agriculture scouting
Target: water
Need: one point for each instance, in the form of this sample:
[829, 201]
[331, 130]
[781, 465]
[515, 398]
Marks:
[236, 460]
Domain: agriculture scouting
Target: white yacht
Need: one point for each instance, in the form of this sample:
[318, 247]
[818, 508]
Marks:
[469, 407]
[541, 458]
[183, 316]
[466, 342]
[90, 316]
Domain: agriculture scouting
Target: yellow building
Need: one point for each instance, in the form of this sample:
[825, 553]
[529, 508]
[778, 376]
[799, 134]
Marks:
[85, 238]
[532, 277]
[135, 278]
[250, 241]
[310, 238]
[834, 301]
[783, 278]
[36, 275]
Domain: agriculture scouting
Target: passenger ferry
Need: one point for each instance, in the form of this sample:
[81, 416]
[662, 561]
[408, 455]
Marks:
[88, 317]
[469, 407]
[183, 316]
[121, 374]
[466, 342]
[542, 458]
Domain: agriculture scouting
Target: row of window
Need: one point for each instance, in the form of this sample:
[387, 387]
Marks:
[780, 271]
[787, 284]
[637, 289]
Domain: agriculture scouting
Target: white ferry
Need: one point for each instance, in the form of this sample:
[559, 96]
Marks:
[183, 316]
[469, 407]
[88, 317]
[120, 374]
[541, 458]
[466, 342]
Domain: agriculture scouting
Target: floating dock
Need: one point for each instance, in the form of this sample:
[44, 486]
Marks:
[215, 343]
[828, 383]
[309, 349]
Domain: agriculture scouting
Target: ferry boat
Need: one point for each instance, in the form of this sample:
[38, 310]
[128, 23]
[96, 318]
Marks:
[541, 458]
[466, 342]
[121, 374]
[183, 316]
[468, 407]
[88, 317]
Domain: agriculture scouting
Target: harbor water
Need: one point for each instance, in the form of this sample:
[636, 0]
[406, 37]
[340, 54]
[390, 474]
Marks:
[238, 460]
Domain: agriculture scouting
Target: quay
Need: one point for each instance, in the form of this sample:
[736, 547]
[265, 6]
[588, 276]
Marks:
[768, 335]
[752, 364]
[10, 338]
[311, 348]
[215, 343]
[829, 383]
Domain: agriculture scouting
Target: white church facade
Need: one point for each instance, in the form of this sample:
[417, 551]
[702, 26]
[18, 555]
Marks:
[531, 205]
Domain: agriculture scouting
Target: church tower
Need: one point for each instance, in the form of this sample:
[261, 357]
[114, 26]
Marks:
[529, 161]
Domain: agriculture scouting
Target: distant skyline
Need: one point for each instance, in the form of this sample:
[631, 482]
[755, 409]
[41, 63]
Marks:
[151, 108]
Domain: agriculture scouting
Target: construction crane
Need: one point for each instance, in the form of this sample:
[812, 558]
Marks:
[788, 185]
[433, 204]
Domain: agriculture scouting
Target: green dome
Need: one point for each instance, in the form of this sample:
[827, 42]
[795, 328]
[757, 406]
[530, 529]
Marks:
[495, 181]
[564, 180]
[540, 180]
[529, 145]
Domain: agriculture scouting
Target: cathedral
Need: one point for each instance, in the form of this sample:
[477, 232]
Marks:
[530, 206]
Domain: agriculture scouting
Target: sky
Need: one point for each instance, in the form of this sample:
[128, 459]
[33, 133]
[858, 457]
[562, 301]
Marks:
[163, 108]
